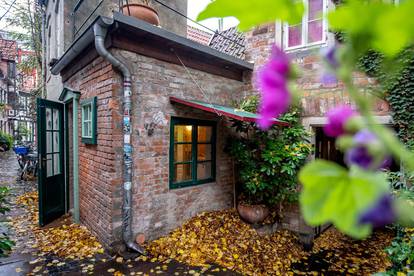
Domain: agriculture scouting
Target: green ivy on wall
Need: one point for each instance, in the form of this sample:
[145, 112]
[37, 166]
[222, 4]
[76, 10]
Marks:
[398, 82]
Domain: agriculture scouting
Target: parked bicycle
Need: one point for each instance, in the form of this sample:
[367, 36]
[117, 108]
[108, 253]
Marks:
[27, 158]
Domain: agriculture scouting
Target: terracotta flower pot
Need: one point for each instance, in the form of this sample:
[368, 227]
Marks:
[142, 12]
[252, 213]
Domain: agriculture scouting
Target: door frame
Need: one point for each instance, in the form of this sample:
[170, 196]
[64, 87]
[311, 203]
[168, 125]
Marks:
[70, 96]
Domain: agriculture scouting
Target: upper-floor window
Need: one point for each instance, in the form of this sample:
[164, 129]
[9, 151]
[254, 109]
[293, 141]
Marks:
[311, 31]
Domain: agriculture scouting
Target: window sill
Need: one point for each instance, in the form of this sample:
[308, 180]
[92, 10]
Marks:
[89, 141]
[189, 184]
[306, 47]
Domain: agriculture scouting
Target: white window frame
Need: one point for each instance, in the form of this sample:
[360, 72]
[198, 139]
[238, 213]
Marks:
[305, 17]
[89, 121]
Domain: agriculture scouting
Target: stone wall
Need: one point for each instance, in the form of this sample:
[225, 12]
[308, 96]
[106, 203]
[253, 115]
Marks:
[100, 169]
[157, 208]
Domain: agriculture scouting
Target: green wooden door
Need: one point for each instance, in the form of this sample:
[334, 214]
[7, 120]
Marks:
[51, 180]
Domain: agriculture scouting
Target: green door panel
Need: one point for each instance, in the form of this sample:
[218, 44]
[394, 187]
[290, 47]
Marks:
[51, 180]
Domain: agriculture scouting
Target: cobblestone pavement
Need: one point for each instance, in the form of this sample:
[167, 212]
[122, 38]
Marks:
[26, 260]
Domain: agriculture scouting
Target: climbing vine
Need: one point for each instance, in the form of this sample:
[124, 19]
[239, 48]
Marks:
[398, 82]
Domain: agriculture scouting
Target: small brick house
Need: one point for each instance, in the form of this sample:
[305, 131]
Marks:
[179, 165]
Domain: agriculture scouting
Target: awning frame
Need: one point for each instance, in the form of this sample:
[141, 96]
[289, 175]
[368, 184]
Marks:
[215, 111]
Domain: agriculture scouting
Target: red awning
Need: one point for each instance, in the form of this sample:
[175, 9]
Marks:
[230, 112]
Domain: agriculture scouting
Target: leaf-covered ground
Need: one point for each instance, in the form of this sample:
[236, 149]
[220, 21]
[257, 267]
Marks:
[67, 240]
[222, 238]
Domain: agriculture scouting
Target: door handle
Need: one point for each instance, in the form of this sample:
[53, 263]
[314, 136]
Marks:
[42, 161]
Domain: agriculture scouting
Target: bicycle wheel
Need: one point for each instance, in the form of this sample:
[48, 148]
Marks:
[23, 175]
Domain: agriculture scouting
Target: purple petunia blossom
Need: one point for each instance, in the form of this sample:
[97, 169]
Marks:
[329, 55]
[329, 79]
[331, 61]
[380, 214]
[364, 137]
[359, 156]
[337, 119]
[272, 84]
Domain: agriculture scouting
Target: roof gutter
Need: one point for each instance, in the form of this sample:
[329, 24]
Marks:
[79, 45]
[100, 29]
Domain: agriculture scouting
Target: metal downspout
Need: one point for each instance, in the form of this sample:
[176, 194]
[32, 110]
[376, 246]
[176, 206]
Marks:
[75, 146]
[100, 30]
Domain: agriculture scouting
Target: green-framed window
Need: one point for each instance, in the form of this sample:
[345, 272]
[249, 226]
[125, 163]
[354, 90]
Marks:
[192, 152]
[88, 123]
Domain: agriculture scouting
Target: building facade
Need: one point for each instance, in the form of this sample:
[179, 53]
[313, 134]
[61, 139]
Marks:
[8, 84]
[175, 131]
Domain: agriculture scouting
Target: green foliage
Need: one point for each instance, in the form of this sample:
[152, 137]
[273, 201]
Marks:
[25, 21]
[401, 255]
[252, 13]
[268, 162]
[398, 81]
[378, 25]
[4, 192]
[5, 242]
[331, 193]
[6, 140]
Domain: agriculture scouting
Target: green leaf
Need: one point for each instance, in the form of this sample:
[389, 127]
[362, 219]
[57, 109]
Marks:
[378, 25]
[332, 194]
[253, 13]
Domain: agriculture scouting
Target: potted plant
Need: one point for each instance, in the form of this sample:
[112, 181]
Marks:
[141, 10]
[267, 163]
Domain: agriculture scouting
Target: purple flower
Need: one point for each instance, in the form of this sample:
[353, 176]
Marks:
[360, 155]
[329, 55]
[364, 137]
[272, 84]
[329, 79]
[380, 214]
[337, 119]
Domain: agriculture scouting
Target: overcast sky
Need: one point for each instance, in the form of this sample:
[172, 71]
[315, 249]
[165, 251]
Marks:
[196, 6]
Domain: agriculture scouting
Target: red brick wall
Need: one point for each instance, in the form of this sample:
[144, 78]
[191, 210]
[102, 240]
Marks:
[158, 209]
[100, 169]
[316, 98]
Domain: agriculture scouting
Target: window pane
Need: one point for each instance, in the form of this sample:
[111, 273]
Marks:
[89, 128]
[49, 165]
[85, 129]
[182, 153]
[203, 152]
[182, 172]
[183, 133]
[315, 31]
[203, 170]
[315, 9]
[56, 142]
[295, 35]
[49, 141]
[86, 112]
[204, 134]
[55, 119]
[48, 118]
[56, 163]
